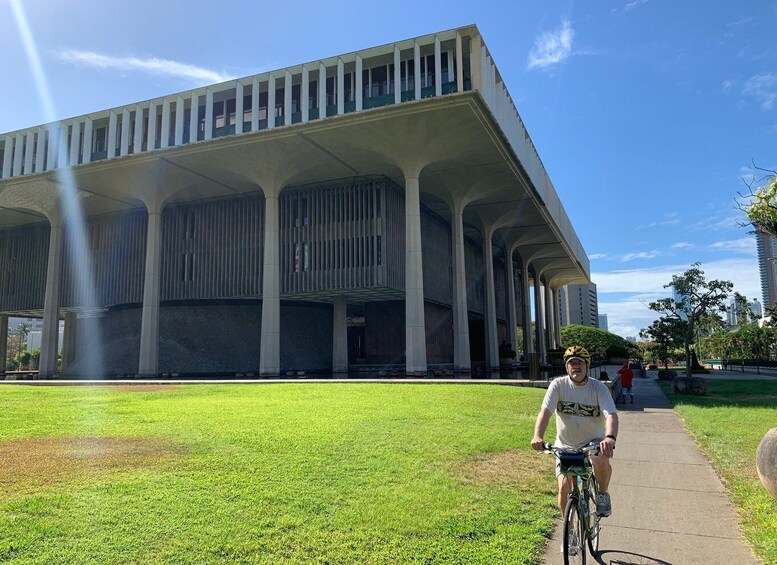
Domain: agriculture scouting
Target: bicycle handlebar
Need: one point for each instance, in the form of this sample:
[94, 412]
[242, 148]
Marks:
[590, 449]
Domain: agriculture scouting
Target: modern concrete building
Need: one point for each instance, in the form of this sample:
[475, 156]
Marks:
[767, 253]
[382, 208]
[604, 323]
[578, 305]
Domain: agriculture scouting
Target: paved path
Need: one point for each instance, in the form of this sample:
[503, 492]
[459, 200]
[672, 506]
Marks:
[669, 506]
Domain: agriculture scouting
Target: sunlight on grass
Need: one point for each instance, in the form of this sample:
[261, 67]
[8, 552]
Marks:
[728, 424]
[348, 473]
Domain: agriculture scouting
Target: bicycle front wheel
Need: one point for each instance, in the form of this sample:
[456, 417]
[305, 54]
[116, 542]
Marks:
[594, 526]
[574, 534]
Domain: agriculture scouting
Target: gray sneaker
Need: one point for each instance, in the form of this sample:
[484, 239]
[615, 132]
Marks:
[603, 505]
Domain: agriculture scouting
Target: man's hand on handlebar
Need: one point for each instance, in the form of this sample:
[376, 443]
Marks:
[538, 443]
[607, 447]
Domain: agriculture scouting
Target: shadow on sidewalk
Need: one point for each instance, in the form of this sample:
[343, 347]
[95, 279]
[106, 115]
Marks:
[611, 557]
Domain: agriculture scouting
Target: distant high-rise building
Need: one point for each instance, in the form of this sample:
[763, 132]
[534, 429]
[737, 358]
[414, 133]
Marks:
[756, 308]
[767, 253]
[577, 304]
[631, 339]
[603, 322]
[735, 316]
[677, 297]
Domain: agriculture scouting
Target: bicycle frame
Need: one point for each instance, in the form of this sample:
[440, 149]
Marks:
[582, 500]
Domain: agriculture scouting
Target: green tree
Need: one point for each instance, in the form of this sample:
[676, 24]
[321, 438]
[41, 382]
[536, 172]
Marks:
[698, 297]
[666, 333]
[761, 211]
[600, 344]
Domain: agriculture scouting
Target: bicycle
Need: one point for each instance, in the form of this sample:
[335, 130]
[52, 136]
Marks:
[581, 523]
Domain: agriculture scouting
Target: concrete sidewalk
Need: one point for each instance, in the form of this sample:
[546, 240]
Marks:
[669, 506]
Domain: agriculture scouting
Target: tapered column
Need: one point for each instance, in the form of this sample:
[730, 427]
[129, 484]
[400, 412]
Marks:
[148, 365]
[556, 320]
[397, 76]
[340, 87]
[526, 313]
[238, 107]
[125, 132]
[270, 347]
[51, 156]
[549, 316]
[415, 329]
[69, 341]
[492, 342]
[459, 64]
[7, 160]
[75, 142]
[304, 95]
[137, 140]
[29, 153]
[17, 158]
[359, 86]
[179, 116]
[3, 343]
[194, 118]
[40, 154]
[340, 337]
[287, 99]
[539, 319]
[87, 150]
[511, 317]
[271, 103]
[437, 68]
[321, 91]
[461, 356]
[255, 104]
[208, 114]
[417, 70]
[165, 131]
[111, 143]
[48, 348]
[151, 142]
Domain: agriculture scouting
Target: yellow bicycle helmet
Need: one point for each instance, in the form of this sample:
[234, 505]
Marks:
[577, 352]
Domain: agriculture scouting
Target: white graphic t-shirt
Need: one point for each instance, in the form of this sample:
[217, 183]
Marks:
[580, 410]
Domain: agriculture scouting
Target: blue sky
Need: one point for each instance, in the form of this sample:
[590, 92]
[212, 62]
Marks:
[646, 113]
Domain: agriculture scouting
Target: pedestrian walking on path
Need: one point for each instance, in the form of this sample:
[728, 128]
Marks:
[669, 506]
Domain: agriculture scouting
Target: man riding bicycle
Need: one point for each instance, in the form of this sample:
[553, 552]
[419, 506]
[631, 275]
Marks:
[585, 412]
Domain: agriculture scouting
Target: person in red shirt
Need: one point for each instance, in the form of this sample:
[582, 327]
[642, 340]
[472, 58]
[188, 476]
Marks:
[627, 375]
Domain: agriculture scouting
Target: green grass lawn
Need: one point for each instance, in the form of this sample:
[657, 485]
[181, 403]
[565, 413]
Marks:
[267, 473]
[729, 423]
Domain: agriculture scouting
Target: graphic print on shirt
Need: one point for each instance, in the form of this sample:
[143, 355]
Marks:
[577, 409]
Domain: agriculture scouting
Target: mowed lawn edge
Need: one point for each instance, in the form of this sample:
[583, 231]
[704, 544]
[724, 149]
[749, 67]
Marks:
[728, 424]
[298, 473]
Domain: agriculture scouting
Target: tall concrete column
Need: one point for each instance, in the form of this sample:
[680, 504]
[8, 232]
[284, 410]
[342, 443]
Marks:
[492, 341]
[148, 365]
[526, 312]
[3, 343]
[270, 346]
[48, 349]
[69, 341]
[556, 318]
[511, 316]
[461, 356]
[549, 329]
[271, 102]
[340, 337]
[417, 70]
[539, 319]
[415, 329]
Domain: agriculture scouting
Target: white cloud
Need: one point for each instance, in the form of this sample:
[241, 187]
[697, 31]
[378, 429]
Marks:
[726, 86]
[634, 4]
[151, 65]
[682, 245]
[595, 256]
[762, 87]
[628, 314]
[551, 47]
[640, 255]
[744, 245]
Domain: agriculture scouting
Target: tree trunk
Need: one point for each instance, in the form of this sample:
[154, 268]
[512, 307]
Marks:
[688, 360]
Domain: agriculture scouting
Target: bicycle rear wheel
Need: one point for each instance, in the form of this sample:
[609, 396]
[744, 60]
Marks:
[574, 533]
